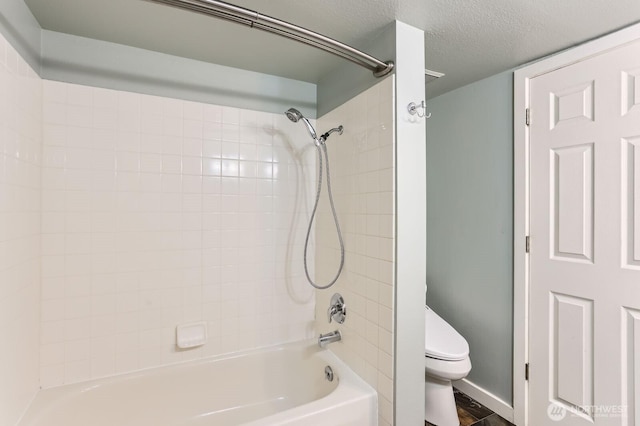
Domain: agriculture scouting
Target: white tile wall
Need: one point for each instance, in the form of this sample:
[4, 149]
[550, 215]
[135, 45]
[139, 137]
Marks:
[159, 211]
[362, 176]
[20, 157]
[123, 215]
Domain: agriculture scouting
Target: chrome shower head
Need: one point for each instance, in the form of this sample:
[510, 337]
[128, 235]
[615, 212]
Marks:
[295, 115]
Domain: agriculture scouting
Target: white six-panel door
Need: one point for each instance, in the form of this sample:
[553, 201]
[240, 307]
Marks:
[584, 301]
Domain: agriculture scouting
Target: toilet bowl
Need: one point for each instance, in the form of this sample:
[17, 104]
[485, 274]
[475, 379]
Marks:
[446, 359]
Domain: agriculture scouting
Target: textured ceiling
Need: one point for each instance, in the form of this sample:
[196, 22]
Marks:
[466, 39]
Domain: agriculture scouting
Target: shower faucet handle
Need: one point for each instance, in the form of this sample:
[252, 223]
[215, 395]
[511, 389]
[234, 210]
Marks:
[331, 312]
[337, 309]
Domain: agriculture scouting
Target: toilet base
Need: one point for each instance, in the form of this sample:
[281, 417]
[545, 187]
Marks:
[440, 405]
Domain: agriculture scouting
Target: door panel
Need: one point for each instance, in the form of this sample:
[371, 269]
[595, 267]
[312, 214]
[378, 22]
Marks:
[584, 333]
[572, 350]
[572, 202]
[572, 104]
[630, 90]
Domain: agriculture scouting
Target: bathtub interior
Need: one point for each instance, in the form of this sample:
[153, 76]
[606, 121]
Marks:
[219, 391]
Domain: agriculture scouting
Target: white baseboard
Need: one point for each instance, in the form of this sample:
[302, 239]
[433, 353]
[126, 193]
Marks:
[485, 398]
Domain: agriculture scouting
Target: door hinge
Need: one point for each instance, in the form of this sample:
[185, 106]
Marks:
[527, 244]
[526, 371]
[528, 116]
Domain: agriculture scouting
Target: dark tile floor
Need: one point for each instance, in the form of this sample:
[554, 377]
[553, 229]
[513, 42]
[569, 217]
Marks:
[472, 413]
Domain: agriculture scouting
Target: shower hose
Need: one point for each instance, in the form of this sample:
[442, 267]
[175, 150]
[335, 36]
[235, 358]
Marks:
[322, 148]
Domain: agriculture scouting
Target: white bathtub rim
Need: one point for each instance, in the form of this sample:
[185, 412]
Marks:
[352, 387]
[60, 393]
[91, 383]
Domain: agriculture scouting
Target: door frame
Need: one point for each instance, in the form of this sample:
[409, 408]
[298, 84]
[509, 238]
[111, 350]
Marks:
[521, 102]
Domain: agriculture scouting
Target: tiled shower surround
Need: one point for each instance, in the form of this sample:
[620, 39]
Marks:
[124, 215]
[158, 212]
[20, 153]
[362, 176]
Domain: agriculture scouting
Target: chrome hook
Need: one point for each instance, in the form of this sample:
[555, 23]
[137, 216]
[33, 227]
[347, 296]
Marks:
[413, 110]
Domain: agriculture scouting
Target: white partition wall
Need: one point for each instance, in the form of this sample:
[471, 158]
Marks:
[382, 209]
[411, 242]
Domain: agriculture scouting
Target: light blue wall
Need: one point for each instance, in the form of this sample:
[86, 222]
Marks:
[469, 223]
[97, 63]
[348, 80]
[21, 29]
[72, 59]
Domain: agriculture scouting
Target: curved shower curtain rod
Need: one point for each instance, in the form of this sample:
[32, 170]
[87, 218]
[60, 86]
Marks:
[254, 19]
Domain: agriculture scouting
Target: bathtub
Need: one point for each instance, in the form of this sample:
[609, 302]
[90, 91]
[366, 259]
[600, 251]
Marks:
[283, 385]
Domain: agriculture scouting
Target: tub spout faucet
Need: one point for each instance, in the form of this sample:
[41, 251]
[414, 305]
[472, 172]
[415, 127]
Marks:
[334, 336]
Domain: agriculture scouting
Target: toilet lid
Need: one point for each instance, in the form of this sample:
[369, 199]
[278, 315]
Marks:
[441, 340]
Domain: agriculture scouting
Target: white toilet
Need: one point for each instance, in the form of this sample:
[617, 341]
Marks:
[446, 358]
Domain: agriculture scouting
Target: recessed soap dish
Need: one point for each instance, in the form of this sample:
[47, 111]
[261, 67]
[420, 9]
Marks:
[191, 335]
